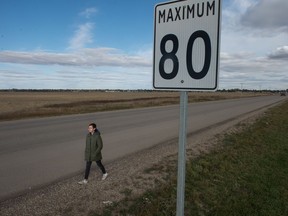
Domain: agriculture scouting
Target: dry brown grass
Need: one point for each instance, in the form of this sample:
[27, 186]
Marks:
[28, 104]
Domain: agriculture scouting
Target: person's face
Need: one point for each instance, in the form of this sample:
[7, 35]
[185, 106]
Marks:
[91, 129]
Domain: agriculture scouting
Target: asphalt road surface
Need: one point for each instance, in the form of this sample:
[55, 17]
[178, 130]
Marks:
[37, 152]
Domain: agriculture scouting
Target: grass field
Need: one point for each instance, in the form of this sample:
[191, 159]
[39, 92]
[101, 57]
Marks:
[247, 174]
[29, 104]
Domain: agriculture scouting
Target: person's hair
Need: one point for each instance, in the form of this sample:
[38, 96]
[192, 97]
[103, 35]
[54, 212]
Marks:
[93, 125]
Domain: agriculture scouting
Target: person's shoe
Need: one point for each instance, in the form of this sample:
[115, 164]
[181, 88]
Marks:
[104, 176]
[83, 182]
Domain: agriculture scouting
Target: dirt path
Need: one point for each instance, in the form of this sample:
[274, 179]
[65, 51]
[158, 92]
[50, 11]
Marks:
[128, 176]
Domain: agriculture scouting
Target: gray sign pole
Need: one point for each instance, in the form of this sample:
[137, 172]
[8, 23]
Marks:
[177, 33]
[182, 154]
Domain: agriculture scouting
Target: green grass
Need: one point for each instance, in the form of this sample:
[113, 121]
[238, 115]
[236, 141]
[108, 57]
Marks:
[247, 174]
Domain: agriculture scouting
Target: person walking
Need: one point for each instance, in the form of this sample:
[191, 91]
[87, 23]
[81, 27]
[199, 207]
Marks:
[93, 149]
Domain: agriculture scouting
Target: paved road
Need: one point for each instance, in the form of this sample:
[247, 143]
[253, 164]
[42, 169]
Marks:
[40, 151]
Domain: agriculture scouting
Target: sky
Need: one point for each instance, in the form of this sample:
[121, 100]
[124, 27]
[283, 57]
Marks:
[108, 44]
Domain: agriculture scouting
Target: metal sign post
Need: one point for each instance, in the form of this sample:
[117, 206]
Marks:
[182, 154]
[186, 58]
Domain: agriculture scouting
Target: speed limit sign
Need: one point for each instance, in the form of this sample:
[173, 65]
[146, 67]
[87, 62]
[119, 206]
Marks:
[186, 45]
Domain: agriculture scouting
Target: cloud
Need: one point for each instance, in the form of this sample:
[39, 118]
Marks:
[81, 57]
[88, 12]
[271, 14]
[71, 77]
[249, 33]
[233, 10]
[238, 36]
[83, 35]
[252, 72]
[280, 53]
[115, 70]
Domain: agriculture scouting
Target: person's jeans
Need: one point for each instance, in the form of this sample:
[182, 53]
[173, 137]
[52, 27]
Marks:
[88, 167]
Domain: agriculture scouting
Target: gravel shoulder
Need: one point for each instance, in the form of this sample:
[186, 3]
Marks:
[127, 176]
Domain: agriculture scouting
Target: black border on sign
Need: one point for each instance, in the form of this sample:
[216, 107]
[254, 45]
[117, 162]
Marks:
[217, 57]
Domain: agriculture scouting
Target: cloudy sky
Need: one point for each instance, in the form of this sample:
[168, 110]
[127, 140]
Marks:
[108, 44]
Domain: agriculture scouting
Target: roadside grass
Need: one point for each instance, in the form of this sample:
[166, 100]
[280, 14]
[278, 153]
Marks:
[246, 174]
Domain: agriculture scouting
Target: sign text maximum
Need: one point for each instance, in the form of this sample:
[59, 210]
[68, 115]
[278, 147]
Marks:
[189, 11]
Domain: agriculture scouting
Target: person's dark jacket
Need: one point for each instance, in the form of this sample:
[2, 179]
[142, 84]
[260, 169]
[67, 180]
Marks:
[94, 146]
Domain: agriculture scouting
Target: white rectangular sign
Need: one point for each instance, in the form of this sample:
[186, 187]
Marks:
[186, 45]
